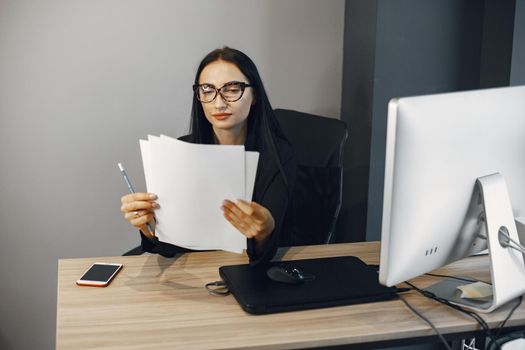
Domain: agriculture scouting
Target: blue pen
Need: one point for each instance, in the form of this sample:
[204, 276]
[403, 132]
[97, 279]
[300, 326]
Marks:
[131, 190]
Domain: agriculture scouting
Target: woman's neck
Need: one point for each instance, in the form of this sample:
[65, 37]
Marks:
[230, 136]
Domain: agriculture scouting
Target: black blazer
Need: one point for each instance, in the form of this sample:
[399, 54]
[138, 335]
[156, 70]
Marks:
[270, 191]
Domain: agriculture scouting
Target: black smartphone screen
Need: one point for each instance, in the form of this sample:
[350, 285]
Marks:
[100, 272]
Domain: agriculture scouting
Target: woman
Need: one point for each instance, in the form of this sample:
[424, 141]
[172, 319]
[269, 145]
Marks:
[230, 107]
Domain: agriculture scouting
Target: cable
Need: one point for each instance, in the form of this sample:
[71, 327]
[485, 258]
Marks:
[472, 280]
[500, 328]
[492, 337]
[421, 316]
[443, 340]
[471, 314]
[402, 290]
[444, 301]
[517, 246]
[520, 299]
[217, 288]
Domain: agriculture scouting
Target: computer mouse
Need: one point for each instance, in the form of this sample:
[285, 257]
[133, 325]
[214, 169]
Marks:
[286, 274]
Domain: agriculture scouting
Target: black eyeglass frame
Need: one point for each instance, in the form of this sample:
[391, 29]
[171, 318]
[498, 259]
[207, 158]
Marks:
[218, 91]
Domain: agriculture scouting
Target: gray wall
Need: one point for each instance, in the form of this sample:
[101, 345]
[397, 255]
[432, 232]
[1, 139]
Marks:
[395, 48]
[356, 110]
[517, 72]
[437, 51]
[82, 81]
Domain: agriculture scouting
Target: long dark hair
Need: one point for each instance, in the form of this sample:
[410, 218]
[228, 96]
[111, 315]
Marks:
[262, 124]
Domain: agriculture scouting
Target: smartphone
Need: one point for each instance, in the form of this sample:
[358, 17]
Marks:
[99, 274]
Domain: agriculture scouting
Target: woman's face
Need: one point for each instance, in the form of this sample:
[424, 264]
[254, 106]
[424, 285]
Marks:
[226, 116]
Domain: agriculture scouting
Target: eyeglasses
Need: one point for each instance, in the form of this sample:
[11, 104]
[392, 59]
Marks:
[229, 92]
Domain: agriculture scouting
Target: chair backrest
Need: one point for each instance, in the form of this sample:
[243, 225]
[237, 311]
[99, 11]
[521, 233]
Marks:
[318, 144]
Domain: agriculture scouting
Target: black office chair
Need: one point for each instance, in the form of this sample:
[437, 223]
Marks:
[318, 144]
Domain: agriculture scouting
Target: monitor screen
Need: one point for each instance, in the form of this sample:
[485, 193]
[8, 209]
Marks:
[437, 146]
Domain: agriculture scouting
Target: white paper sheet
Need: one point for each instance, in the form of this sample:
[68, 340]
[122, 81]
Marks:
[191, 181]
[252, 159]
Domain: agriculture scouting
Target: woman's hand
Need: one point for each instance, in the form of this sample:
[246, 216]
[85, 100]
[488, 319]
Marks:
[138, 210]
[251, 219]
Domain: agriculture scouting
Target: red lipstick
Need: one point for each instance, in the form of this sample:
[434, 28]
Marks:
[221, 116]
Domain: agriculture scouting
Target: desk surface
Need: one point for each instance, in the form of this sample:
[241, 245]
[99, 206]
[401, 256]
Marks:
[160, 303]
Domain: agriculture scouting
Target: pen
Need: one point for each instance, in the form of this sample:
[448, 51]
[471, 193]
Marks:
[131, 190]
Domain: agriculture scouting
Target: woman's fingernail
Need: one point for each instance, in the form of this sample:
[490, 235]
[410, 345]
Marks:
[152, 196]
[155, 205]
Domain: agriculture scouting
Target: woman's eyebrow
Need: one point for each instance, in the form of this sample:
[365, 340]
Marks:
[228, 82]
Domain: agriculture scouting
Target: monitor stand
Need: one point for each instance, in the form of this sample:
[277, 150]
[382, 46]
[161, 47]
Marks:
[507, 267]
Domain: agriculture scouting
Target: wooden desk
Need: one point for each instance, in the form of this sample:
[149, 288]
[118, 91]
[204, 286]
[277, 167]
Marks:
[159, 303]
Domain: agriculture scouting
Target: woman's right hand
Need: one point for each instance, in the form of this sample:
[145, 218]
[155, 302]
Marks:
[138, 210]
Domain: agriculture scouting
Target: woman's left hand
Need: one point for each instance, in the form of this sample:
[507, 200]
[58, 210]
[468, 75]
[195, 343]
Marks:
[250, 218]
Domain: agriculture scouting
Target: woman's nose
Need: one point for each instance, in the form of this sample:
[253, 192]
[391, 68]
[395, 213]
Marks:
[219, 102]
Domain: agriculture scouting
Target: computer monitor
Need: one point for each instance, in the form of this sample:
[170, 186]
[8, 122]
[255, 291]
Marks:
[434, 209]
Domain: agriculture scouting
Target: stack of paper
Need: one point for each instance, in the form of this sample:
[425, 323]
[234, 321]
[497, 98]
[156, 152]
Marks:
[191, 181]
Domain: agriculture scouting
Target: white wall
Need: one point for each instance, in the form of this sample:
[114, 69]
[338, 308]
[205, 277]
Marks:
[82, 81]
